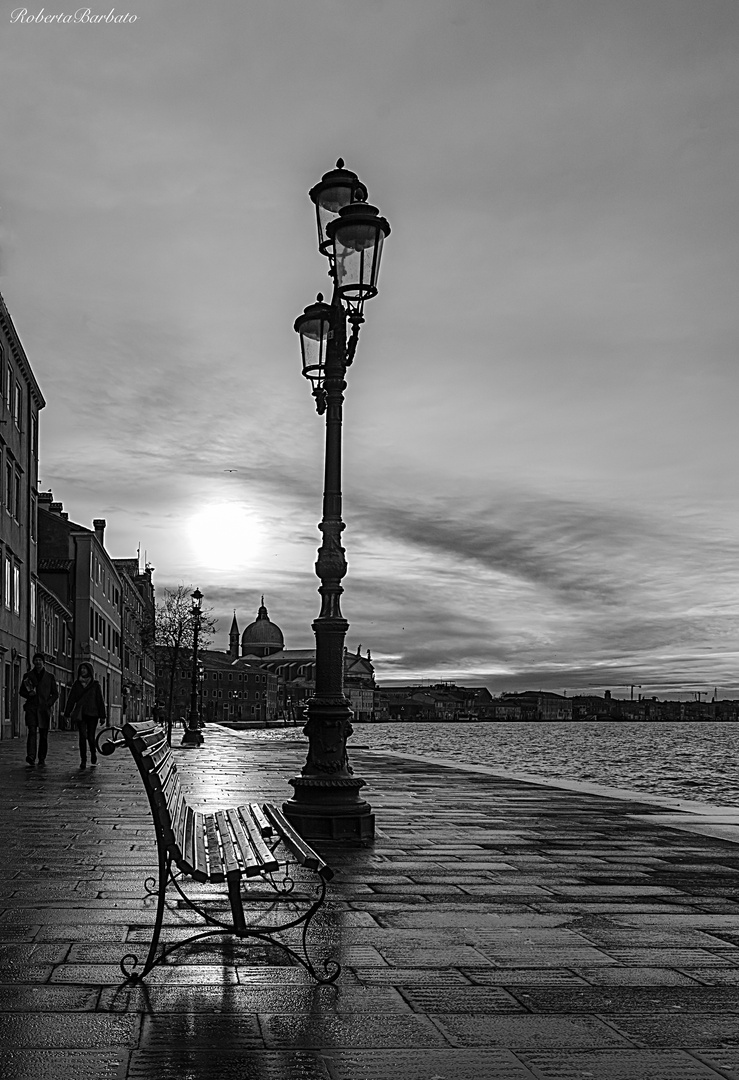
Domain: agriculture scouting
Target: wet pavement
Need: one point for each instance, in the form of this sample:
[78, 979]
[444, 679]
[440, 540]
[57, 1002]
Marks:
[498, 928]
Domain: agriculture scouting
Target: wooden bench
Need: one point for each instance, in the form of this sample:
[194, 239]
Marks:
[238, 847]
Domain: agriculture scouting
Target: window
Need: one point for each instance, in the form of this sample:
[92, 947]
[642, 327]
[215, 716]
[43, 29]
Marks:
[8, 574]
[33, 601]
[17, 405]
[17, 590]
[92, 623]
[6, 696]
[8, 384]
[9, 487]
[17, 497]
[34, 518]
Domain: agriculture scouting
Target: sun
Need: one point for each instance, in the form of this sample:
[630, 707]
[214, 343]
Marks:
[224, 536]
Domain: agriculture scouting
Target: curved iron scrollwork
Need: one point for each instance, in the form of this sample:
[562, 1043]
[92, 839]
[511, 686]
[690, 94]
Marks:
[112, 741]
[325, 972]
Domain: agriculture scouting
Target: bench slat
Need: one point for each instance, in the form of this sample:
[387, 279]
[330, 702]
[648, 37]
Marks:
[303, 852]
[188, 847]
[264, 855]
[165, 793]
[168, 810]
[265, 826]
[200, 869]
[177, 816]
[252, 866]
[215, 869]
[174, 787]
[230, 857]
[142, 739]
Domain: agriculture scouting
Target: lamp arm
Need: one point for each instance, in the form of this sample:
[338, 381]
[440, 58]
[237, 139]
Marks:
[351, 345]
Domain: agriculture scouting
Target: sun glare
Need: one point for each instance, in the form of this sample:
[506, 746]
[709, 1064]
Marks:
[224, 536]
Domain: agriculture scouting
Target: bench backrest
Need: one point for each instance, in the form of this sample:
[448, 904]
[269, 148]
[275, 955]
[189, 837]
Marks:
[208, 847]
[148, 745]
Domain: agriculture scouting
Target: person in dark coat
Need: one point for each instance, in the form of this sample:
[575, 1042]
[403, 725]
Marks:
[85, 706]
[39, 689]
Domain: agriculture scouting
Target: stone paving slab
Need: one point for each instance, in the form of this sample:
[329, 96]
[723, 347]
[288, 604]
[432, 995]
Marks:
[499, 927]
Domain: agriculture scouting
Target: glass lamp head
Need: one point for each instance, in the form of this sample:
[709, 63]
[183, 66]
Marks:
[314, 327]
[356, 235]
[337, 188]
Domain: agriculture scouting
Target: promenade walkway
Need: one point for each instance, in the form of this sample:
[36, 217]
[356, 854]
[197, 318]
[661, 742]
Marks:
[498, 929]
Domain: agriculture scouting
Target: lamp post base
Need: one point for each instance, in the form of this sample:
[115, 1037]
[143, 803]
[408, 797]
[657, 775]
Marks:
[192, 737]
[330, 811]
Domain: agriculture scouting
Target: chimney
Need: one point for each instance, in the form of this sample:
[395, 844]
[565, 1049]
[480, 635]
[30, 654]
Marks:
[99, 527]
[56, 508]
[45, 498]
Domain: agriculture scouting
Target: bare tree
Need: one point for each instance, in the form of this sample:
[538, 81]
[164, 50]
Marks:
[174, 626]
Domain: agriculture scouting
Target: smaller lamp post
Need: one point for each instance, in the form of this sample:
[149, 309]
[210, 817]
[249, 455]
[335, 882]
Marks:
[201, 681]
[193, 736]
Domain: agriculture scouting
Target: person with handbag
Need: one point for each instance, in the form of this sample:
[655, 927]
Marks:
[85, 707]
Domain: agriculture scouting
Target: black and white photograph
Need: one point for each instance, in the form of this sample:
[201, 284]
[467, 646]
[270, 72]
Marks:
[369, 540]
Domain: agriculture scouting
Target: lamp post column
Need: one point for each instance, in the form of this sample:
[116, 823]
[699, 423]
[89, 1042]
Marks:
[326, 805]
[193, 736]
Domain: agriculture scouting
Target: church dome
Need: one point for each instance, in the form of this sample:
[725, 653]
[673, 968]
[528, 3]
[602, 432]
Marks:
[262, 637]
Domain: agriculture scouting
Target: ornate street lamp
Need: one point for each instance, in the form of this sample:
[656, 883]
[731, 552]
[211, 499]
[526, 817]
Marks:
[193, 736]
[326, 803]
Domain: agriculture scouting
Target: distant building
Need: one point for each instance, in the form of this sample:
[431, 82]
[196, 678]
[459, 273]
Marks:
[227, 692]
[20, 403]
[539, 705]
[76, 568]
[437, 702]
[263, 646]
[55, 639]
[138, 678]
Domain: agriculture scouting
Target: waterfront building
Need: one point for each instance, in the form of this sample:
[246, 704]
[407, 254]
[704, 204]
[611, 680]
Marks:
[228, 692]
[74, 565]
[437, 702]
[539, 705]
[138, 678]
[55, 639]
[263, 645]
[20, 404]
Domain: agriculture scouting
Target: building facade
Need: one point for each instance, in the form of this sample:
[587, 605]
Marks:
[227, 692]
[138, 663]
[19, 411]
[263, 644]
[55, 639]
[74, 565]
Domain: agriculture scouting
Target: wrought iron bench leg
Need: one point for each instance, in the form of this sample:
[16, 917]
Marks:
[237, 907]
[130, 962]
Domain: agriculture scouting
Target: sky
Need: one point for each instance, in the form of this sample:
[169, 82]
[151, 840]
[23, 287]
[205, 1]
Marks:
[540, 446]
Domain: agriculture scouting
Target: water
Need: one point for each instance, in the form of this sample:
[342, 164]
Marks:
[687, 761]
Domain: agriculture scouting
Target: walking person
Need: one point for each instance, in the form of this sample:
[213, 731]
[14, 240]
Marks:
[39, 689]
[85, 706]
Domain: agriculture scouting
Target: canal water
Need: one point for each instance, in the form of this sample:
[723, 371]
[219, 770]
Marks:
[699, 762]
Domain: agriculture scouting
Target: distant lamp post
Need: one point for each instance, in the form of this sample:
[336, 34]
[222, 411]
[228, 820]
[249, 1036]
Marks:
[326, 804]
[201, 683]
[193, 736]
